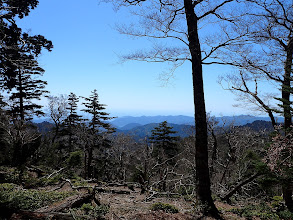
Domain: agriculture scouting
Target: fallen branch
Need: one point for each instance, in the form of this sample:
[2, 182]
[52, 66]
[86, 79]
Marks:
[55, 172]
[238, 186]
[71, 185]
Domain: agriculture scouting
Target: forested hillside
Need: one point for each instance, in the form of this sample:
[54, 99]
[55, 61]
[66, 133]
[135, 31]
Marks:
[85, 163]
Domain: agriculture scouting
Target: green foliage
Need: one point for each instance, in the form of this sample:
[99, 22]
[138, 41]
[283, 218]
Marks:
[51, 181]
[96, 111]
[262, 210]
[12, 196]
[285, 214]
[164, 207]
[9, 175]
[90, 211]
[279, 206]
[277, 202]
[187, 192]
[87, 207]
[75, 159]
[183, 190]
[165, 143]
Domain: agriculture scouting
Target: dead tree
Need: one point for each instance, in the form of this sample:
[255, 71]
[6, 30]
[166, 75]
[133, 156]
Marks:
[180, 21]
[269, 55]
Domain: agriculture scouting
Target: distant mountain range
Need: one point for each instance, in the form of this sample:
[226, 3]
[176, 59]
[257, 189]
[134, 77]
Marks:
[141, 127]
[143, 120]
[129, 122]
[143, 131]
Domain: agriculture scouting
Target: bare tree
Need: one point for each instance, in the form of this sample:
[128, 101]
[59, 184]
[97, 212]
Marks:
[246, 87]
[184, 22]
[269, 57]
[57, 107]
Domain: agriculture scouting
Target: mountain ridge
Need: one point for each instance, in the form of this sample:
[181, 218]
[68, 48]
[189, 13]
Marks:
[238, 120]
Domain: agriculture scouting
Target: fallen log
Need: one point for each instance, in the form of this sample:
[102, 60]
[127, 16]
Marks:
[70, 202]
[71, 185]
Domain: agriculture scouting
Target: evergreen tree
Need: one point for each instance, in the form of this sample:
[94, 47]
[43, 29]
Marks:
[18, 71]
[73, 120]
[165, 143]
[27, 88]
[165, 149]
[11, 37]
[98, 116]
[97, 126]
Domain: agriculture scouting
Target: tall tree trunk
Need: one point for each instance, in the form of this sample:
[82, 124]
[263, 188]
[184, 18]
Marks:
[286, 86]
[286, 92]
[201, 155]
[89, 163]
[21, 96]
[85, 162]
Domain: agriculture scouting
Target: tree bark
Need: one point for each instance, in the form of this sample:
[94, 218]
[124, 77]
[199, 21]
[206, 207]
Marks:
[201, 155]
[286, 86]
[286, 92]
[287, 195]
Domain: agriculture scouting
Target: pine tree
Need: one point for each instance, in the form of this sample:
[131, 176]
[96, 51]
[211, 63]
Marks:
[27, 89]
[73, 120]
[165, 149]
[12, 38]
[18, 72]
[98, 116]
[97, 127]
[24, 90]
[165, 143]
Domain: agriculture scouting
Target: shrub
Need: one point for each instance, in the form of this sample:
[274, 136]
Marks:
[278, 204]
[12, 196]
[92, 211]
[9, 175]
[285, 214]
[75, 159]
[164, 207]
[263, 211]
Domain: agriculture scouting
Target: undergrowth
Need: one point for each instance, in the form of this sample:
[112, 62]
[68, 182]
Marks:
[164, 207]
[14, 197]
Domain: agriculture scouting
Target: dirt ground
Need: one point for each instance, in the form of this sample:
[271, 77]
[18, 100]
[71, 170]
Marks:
[132, 205]
[135, 206]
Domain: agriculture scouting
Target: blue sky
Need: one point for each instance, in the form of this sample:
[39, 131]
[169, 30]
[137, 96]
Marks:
[86, 57]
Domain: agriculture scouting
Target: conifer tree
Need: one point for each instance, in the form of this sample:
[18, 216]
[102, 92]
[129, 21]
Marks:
[18, 75]
[164, 141]
[96, 110]
[27, 89]
[73, 120]
[24, 90]
[97, 127]
[165, 149]
[11, 37]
